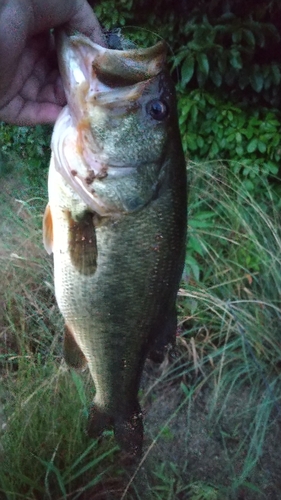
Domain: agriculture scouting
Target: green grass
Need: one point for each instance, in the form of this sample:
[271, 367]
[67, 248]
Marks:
[210, 410]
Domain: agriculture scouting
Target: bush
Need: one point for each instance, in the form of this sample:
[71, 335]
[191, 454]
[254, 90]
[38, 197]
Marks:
[30, 145]
[216, 129]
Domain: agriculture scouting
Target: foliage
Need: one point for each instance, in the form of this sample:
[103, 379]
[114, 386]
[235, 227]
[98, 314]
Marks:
[249, 140]
[221, 44]
[30, 145]
[226, 222]
[111, 14]
[227, 53]
[230, 290]
[228, 56]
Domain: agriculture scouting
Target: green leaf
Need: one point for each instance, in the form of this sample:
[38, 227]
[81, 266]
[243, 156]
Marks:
[238, 137]
[236, 36]
[216, 77]
[243, 79]
[187, 70]
[214, 149]
[235, 59]
[276, 73]
[276, 140]
[192, 265]
[194, 245]
[191, 142]
[231, 76]
[249, 38]
[252, 146]
[200, 141]
[249, 185]
[228, 16]
[207, 214]
[239, 150]
[194, 113]
[178, 58]
[230, 115]
[201, 78]
[256, 79]
[231, 137]
[260, 38]
[261, 146]
[200, 224]
[272, 167]
[211, 100]
[203, 63]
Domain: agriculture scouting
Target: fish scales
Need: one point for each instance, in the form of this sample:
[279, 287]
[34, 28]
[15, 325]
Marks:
[119, 240]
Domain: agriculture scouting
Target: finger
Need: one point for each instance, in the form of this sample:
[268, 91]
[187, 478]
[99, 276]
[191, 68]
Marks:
[20, 112]
[85, 21]
[12, 41]
[75, 15]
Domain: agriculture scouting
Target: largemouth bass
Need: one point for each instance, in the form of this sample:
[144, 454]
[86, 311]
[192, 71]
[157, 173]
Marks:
[116, 221]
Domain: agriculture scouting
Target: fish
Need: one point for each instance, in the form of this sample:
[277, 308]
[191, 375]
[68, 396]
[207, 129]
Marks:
[116, 222]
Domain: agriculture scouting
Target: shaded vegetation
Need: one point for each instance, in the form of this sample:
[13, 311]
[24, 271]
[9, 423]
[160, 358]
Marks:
[212, 409]
[226, 56]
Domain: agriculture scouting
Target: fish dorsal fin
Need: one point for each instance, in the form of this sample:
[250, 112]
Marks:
[48, 230]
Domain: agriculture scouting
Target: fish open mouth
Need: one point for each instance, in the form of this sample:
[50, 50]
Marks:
[97, 80]
[79, 58]
[81, 177]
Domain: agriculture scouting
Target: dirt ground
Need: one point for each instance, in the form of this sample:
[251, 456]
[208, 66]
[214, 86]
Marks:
[216, 443]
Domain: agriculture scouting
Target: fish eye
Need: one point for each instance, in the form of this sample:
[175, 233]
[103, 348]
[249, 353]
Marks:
[157, 109]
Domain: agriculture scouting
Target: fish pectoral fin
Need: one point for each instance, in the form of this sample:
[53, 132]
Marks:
[48, 230]
[73, 355]
[82, 243]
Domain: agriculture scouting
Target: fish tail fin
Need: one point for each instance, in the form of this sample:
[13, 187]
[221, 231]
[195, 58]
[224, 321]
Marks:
[99, 421]
[128, 428]
[164, 335]
[128, 431]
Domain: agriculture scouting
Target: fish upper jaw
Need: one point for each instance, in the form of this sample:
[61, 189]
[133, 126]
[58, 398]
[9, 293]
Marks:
[99, 140]
[88, 69]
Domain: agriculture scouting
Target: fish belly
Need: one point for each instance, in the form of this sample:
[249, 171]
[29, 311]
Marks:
[116, 313]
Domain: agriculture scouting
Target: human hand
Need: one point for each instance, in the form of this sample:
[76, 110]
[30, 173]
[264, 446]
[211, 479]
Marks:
[31, 90]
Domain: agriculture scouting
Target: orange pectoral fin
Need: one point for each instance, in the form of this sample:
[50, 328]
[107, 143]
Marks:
[48, 230]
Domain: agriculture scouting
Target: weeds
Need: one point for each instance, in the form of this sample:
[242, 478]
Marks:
[211, 409]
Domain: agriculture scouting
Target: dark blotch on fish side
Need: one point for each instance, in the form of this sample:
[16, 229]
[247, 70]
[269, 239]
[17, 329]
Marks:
[83, 244]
